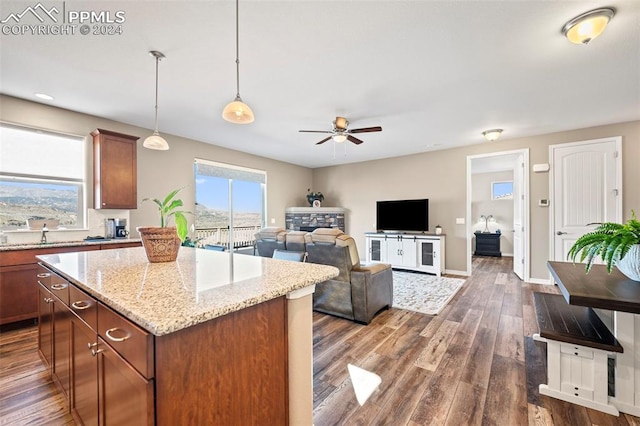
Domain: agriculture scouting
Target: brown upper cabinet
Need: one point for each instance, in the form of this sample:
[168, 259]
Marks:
[115, 179]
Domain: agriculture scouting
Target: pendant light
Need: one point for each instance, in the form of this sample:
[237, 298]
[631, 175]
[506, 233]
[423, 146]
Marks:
[155, 141]
[237, 111]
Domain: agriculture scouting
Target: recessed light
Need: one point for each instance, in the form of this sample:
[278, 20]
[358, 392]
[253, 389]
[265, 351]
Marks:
[44, 96]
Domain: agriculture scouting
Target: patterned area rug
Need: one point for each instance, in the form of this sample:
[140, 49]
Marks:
[423, 293]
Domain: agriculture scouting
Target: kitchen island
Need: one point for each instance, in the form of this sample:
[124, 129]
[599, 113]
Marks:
[213, 338]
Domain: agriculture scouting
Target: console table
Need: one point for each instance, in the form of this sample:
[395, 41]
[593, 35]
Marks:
[487, 244]
[617, 293]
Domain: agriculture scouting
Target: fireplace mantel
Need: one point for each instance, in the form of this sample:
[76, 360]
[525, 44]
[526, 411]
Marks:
[318, 217]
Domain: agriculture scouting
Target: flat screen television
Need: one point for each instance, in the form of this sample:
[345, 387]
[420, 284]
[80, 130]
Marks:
[403, 215]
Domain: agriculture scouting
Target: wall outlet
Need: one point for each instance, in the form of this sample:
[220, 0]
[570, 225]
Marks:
[459, 220]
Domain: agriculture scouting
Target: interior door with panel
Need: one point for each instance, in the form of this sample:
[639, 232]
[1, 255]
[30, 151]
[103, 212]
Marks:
[518, 217]
[587, 189]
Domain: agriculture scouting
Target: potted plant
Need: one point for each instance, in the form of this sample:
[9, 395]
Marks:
[312, 196]
[617, 244]
[162, 243]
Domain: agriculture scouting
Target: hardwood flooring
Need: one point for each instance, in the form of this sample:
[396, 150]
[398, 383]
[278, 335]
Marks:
[473, 364]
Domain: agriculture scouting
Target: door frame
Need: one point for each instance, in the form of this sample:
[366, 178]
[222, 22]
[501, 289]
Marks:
[552, 182]
[526, 208]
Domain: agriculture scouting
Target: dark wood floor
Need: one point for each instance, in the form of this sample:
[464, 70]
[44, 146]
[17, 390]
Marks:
[475, 363]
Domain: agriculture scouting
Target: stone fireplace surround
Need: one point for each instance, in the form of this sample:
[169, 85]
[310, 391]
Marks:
[310, 218]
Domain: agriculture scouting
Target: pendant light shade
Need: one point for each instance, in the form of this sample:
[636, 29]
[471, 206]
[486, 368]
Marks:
[237, 111]
[155, 141]
[584, 28]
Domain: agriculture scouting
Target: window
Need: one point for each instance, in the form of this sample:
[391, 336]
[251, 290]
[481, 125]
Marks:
[41, 177]
[228, 198]
[502, 190]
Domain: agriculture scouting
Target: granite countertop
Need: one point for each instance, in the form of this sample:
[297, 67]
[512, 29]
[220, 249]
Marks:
[31, 246]
[200, 285]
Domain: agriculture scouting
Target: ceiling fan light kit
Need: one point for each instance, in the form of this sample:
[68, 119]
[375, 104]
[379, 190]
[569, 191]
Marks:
[340, 132]
[492, 135]
[237, 111]
[584, 28]
[155, 141]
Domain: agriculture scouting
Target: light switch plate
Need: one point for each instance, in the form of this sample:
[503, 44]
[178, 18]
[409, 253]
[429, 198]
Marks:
[459, 220]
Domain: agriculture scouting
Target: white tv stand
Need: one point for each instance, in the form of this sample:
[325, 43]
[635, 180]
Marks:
[417, 252]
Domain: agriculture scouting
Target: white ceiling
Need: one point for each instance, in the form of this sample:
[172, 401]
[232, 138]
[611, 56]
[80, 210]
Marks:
[433, 74]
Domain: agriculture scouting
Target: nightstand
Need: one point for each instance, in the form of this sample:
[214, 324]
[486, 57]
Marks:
[487, 244]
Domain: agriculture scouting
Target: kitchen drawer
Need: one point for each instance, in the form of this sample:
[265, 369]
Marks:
[84, 306]
[576, 350]
[27, 256]
[127, 339]
[55, 283]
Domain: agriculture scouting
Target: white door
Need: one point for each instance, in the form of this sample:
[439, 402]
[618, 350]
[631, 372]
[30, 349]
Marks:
[518, 217]
[586, 188]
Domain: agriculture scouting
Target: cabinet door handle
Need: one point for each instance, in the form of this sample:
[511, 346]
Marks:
[58, 286]
[48, 299]
[81, 305]
[116, 339]
[92, 345]
[560, 233]
[44, 275]
[95, 352]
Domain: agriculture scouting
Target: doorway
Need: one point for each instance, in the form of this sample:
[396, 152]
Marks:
[487, 175]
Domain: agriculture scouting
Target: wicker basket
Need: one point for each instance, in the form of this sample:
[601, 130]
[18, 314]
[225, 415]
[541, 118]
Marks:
[160, 244]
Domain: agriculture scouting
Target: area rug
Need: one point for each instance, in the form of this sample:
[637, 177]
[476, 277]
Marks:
[424, 293]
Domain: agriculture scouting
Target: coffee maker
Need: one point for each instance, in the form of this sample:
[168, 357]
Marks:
[121, 228]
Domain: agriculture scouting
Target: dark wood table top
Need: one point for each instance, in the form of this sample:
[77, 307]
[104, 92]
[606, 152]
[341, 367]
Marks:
[598, 289]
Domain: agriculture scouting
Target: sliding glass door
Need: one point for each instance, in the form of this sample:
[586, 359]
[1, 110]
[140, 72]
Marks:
[230, 204]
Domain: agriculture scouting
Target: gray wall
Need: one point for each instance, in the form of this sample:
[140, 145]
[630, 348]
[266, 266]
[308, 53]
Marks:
[161, 171]
[502, 210]
[441, 177]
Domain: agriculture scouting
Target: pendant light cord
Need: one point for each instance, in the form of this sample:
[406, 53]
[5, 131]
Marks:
[157, 60]
[237, 51]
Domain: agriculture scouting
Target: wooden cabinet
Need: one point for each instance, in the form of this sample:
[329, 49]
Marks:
[102, 383]
[417, 252]
[115, 178]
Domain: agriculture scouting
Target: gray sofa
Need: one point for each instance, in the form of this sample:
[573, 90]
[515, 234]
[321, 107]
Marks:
[358, 293]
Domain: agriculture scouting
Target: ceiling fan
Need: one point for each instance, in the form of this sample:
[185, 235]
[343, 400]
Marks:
[341, 133]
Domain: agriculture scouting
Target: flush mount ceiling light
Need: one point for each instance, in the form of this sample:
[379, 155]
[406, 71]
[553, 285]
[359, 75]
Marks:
[584, 28]
[155, 141]
[492, 135]
[237, 111]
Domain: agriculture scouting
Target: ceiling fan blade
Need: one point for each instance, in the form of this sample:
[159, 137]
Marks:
[366, 129]
[315, 131]
[323, 140]
[354, 140]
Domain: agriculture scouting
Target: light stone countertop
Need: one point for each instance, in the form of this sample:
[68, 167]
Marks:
[31, 246]
[200, 285]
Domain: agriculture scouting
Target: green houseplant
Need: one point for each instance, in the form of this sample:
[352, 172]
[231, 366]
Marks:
[617, 244]
[162, 243]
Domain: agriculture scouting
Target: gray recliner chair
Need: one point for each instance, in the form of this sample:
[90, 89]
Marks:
[269, 239]
[359, 292]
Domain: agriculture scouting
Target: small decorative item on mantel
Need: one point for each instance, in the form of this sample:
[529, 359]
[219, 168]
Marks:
[617, 244]
[315, 199]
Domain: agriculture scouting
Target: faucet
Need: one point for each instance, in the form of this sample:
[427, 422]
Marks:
[43, 238]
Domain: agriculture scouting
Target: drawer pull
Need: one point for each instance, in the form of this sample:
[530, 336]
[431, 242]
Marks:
[44, 275]
[116, 339]
[81, 305]
[58, 286]
[95, 352]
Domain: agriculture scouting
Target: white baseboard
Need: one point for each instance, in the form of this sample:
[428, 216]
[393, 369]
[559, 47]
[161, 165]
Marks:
[538, 281]
[454, 272]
